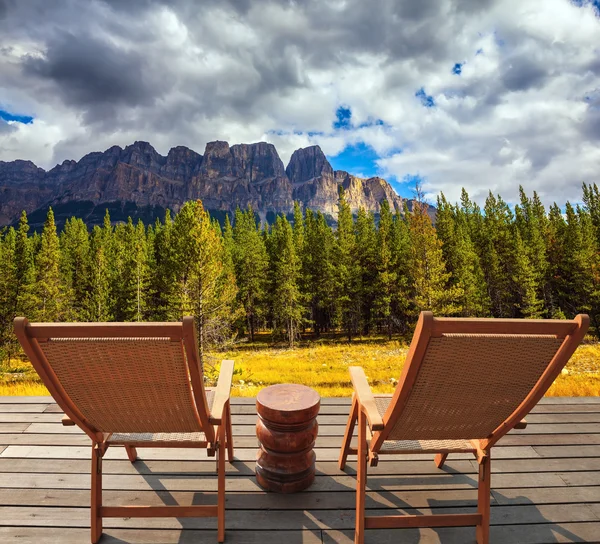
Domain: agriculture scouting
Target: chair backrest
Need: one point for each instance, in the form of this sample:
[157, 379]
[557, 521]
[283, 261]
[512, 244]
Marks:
[121, 377]
[474, 379]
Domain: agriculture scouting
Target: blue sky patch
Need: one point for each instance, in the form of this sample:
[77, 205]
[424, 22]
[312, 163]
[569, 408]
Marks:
[361, 160]
[409, 183]
[343, 116]
[371, 123]
[457, 68]
[594, 3]
[426, 100]
[7, 116]
[358, 159]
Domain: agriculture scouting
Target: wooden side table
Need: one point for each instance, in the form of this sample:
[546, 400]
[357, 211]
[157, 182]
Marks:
[286, 429]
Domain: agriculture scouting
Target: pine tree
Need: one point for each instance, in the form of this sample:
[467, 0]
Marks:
[531, 223]
[228, 245]
[366, 269]
[140, 256]
[24, 301]
[430, 280]
[460, 255]
[298, 229]
[386, 272]
[347, 270]
[162, 283]
[47, 291]
[401, 259]
[525, 282]
[580, 291]
[8, 281]
[591, 201]
[251, 267]
[285, 272]
[319, 271]
[496, 252]
[201, 288]
[97, 300]
[75, 267]
[556, 275]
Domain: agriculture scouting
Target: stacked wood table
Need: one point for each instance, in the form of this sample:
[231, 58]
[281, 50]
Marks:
[286, 430]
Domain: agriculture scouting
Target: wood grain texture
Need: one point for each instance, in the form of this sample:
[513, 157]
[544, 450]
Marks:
[545, 485]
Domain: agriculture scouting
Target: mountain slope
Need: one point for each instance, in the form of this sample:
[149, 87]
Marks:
[140, 182]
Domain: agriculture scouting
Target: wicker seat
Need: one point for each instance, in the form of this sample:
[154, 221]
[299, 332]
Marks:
[415, 446]
[465, 384]
[134, 385]
[151, 439]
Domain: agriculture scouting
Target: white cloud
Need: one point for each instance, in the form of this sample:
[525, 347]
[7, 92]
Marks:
[523, 111]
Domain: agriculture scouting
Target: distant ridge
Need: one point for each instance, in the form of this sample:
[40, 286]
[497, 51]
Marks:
[139, 182]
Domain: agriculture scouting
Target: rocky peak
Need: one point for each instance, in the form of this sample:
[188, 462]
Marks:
[65, 167]
[256, 162]
[138, 180]
[181, 153]
[142, 155]
[340, 176]
[182, 163]
[308, 163]
[217, 161]
[18, 172]
[368, 193]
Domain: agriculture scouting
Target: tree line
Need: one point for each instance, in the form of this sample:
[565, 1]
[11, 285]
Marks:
[365, 276]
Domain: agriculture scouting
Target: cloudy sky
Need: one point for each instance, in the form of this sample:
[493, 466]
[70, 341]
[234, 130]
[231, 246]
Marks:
[485, 94]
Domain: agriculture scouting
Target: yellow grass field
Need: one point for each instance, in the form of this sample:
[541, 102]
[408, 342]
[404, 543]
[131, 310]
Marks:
[323, 365]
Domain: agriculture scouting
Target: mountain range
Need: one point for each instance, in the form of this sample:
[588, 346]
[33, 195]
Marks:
[139, 182]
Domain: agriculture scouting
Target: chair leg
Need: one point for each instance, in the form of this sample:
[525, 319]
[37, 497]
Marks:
[483, 501]
[348, 434]
[229, 434]
[221, 489]
[131, 453]
[96, 500]
[361, 479]
[440, 459]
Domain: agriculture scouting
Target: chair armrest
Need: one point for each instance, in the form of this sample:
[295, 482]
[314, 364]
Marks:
[366, 401]
[222, 392]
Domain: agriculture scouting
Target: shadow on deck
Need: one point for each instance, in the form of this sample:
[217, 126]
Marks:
[545, 484]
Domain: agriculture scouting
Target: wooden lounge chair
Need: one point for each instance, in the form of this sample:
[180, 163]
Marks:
[128, 384]
[465, 384]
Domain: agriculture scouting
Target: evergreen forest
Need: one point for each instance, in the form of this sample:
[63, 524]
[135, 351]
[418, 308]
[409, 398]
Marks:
[364, 277]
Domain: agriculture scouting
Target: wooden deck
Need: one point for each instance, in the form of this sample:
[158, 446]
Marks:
[546, 484]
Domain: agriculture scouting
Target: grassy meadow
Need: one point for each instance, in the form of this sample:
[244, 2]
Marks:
[322, 365]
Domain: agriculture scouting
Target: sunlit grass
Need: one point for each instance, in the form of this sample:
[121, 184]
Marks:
[24, 389]
[320, 365]
[323, 365]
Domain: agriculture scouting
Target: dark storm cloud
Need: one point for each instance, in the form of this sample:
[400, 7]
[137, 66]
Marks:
[522, 73]
[5, 128]
[113, 61]
[89, 71]
[591, 125]
[187, 71]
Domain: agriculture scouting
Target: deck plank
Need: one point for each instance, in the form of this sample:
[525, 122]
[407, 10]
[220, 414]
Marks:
[309, 519]
[25, 408]
[243, 454]
[505, 534]
[57, 435]
[327, 468]
[12, 428]
[64, 535]
[339, 483]
[545, 484]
